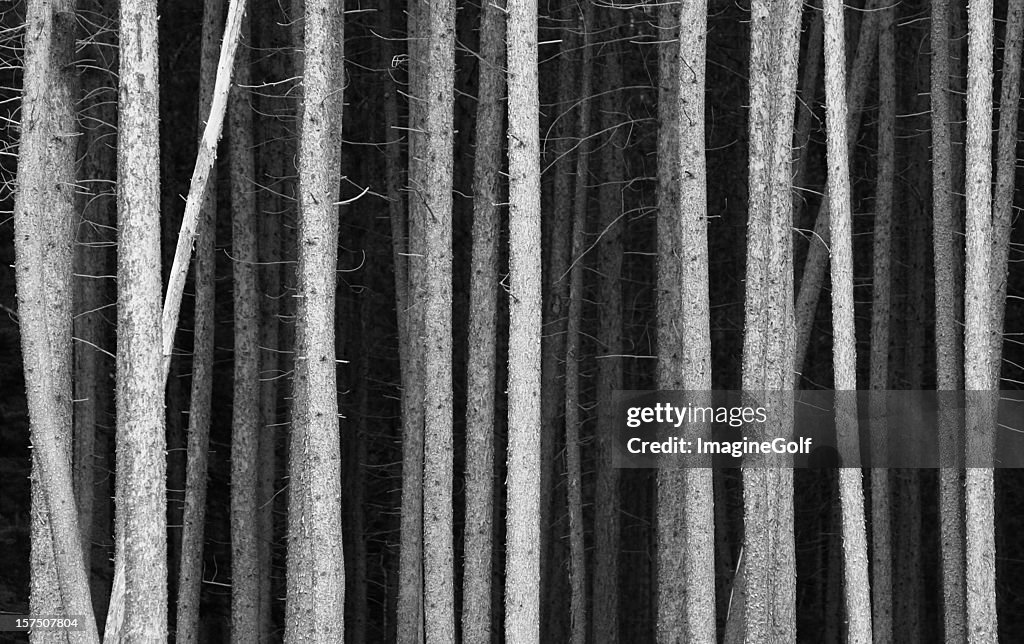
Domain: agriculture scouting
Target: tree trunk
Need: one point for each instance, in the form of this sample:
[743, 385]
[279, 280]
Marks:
[194, 516]
[315, 605]
[481, 372]
[951, 515]
[245, 417]
[141, 463]
[844, 348]
[881, 288]
[979, 374]
[44, 216]
[410, 585]
[574, 467]
[522, 571]
[438, 557]
[769, 326]
[813, 274]
[607, 528]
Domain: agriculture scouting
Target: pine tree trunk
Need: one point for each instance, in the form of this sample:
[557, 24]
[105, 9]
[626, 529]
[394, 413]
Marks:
[481, 371]
[410, 585]
[316, 574]
[438, 554]
[844, 348]
[979, 374]
[245, 417]
[574, 468]
[522, 570]
[190, 570]
[881, 288]
[768, 343]
[1006, 161]
[946, 334]
[44, 216]
[607, 524]
[141, 462]
[813, 274]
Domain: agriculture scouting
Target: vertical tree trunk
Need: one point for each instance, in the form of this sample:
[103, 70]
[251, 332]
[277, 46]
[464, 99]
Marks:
[438, 557]
[607, 523]
[141, 463]
[844, 347]
[190, 570]
[410, 585]
[979, 374]
[245, 417]
[769, 326]
[315, 605]
[881, 288]
[481, 371]
[574, 467]
[946, 333]
[1006, 161]
[522, 571]
[44, 216]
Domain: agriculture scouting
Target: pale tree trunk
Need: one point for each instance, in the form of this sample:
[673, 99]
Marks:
[245, 418]
[607, 526]
[481, 371]
[315, 605]
[410, 585]
[1006, 161]
[686, 541]
[141, 463]
[881, 288]
[438, 555]
[844, 348]
[770, 569]
[979, 374]
[813, 274]
[947, 336]
[671, 581]
[522, 570]
[190, 570]
[574, 467]
[44, 217]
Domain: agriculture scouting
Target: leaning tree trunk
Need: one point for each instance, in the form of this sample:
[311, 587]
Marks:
[481, 372]
[190, 570]
[44, 218]
[844, 346]
[770, 567]
[315, 602]
[522, 569]
[979, 374]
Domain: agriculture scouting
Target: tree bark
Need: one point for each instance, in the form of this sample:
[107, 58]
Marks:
[857, 593]
[141, 463]
[522, 581]
[881, 289]
[245, 417]
[438, 554]
[979, 374]
[481, 371]
[44, 217]
[769, 326]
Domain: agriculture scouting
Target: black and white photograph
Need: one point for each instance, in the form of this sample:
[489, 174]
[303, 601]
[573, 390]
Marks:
[511, 321]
